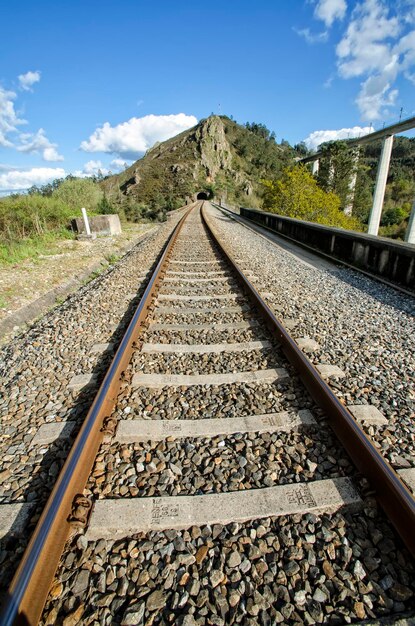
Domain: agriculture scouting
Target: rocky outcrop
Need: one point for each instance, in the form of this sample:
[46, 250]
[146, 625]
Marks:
[208, 154]
[215, 151]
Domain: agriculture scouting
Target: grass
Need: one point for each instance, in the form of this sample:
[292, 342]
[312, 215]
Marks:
[112, 258]
[12, 252]
[94, 275]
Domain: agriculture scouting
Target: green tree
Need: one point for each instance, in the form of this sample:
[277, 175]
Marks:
[79, 192]
[297, 194]
[337, 165]
[302, 149]
[261, 130]
[105, 207]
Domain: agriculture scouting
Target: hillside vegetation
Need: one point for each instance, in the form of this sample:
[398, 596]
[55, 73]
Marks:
[218, 156]
[400, 188]
[297, 194]
[30, 223]
[242, 165]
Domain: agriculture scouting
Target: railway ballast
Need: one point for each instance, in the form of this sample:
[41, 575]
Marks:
[212, 488]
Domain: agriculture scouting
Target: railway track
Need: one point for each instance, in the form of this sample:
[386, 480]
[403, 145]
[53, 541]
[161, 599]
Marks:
[204, 462]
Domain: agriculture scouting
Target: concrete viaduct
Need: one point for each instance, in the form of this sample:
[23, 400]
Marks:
[387, 134]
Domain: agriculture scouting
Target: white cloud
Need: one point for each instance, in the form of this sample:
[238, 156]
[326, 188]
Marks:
[132, 138]
[320, 136]
[407, 9]
[18, 180]
[366, 46]
[39, 143]
[9, 121]
[375, 47]
[378, 45]
[310, 37]
[91, 168]
[94, 167]
[330, 10]
[406, 49]
[28, 80]
[375, 96]
[327, 11]
[120, 164]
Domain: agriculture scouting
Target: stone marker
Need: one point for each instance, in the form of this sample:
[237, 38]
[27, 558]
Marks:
[86, 222]
[157, 430]
[115, 519]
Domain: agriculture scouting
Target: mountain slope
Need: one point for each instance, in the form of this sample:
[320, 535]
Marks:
[217, 155]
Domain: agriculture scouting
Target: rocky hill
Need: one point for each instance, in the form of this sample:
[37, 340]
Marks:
[217, 156]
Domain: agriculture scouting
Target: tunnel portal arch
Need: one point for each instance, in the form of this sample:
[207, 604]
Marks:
[203, 195]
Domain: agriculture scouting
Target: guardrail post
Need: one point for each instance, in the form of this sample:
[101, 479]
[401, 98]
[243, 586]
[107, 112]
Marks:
[382, 176]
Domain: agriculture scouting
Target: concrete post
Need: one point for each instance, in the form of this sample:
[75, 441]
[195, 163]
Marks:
[382, 176]
[316, 165]
[410, 231]
[330, 178]
[86, 222]
[348, 209]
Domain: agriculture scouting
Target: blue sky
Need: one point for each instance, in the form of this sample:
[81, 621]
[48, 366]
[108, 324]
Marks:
[88, 84]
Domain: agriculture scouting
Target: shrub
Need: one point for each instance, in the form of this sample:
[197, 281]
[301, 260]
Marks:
[296, 194]
[79, 192]
[29, 224]
[104, 206]
[28, 216]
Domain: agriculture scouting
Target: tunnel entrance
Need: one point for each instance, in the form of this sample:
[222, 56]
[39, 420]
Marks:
[202, 195]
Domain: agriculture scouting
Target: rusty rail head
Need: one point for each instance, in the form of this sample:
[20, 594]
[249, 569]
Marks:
[30, 586]
[393, 495]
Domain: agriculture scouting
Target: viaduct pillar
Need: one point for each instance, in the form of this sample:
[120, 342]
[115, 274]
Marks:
[382, 175]
[316, 165]
[348, 209]
[410, 231]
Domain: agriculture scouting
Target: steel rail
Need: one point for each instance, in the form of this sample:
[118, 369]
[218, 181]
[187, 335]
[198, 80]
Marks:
[29, 588]
[393, 495]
